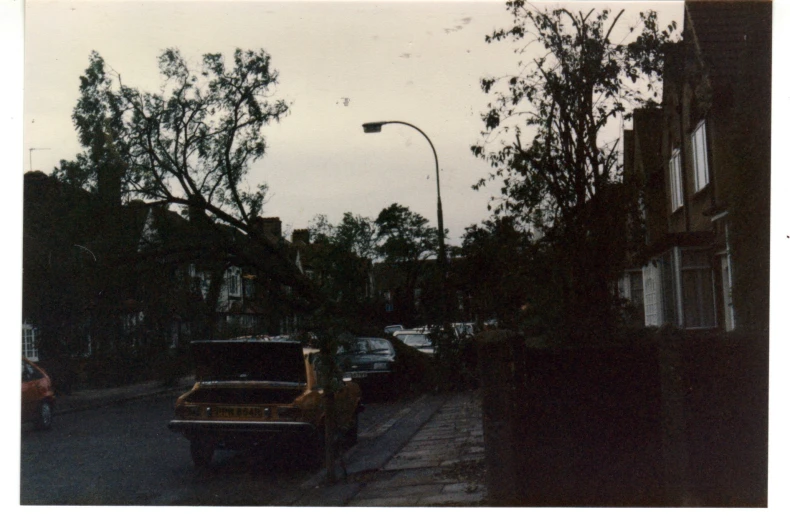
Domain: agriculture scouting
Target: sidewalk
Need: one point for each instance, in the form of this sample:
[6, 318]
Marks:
[439, 463]
[80, 400]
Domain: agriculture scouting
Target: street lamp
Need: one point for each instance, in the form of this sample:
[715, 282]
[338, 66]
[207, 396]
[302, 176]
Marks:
[375, 127]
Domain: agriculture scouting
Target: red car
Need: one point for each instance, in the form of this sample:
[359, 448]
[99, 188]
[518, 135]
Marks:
[38, 396]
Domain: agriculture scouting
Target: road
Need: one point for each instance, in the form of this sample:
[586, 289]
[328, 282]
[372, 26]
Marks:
[125, 455]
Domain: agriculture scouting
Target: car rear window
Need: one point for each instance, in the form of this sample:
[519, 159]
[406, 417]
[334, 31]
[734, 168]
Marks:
[415, 339]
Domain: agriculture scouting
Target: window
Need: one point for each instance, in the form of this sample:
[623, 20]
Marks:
[697, 293]
[676, 180]
[637, 295]
[650, 275]
[699, 148]
[29, 349]
[249, 288]
[233, 279]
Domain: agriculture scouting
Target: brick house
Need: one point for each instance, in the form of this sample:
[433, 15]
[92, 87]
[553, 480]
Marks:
[703, 162]
[141, 286]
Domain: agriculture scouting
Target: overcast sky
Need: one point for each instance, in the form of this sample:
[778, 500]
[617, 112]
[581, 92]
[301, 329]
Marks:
[340, 64]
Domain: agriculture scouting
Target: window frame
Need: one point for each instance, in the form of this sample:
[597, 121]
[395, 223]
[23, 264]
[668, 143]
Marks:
[29, 339]
[699, 151]
[233, 282]
[704, 281]
[676, 180]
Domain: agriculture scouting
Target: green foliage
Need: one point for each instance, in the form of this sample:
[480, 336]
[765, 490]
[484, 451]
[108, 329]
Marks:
[404, 236]
[191, 143]
[405, 241]
[342, 256]
[340, 268]
[543, 138]
[563, 98]
[496, 253]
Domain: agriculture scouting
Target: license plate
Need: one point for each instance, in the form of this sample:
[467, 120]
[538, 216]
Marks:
[238, 412]
[357, 374]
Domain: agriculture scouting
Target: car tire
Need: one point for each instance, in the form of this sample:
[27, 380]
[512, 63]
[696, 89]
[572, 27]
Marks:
[202, 452]
[44, 418]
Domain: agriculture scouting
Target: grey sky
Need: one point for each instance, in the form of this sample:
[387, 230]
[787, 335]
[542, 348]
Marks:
[340, 64]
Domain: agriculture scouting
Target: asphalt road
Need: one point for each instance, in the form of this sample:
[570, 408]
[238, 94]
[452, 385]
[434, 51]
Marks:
[125, 455]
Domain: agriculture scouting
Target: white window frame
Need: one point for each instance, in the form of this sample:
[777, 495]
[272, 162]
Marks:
[651, 280]
[699, 149]
[233, 282]
[676, 180]
[29, 349]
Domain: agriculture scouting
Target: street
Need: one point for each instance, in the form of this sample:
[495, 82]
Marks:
[125, 455]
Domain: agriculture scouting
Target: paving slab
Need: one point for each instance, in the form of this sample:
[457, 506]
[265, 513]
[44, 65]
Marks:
[385, 491]
[406, 477]
[452, 499]
[401, 501]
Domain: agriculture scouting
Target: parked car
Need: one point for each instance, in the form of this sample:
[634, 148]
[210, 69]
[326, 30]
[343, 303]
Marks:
[420, 340]
[391, 329]
[258, 393]
[370, 362]
[464, 329]
[38, 396]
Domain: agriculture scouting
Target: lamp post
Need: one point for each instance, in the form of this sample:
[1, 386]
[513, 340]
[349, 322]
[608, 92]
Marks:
[375, 127]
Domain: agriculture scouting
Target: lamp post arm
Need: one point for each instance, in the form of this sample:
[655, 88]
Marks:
[435, 156]
[439, 215]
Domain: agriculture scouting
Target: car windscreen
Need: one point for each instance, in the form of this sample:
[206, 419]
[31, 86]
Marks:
[380, 346]
[249, 361]
[415, 340]
[367, 346]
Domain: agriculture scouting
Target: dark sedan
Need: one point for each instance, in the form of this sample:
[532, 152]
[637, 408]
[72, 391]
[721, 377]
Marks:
[369, 362]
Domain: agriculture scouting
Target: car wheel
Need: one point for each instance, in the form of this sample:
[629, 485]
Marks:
[202, 452]
[44, 419]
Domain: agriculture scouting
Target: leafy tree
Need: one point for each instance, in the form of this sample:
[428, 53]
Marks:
[341, 259]
[544, 136]
[405, 241]
[354, 234]
[190, 144]
[357, 234]
[404, 236]
[495, 255]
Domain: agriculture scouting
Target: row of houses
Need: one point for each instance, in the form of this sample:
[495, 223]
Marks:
[702, 160]
[138, 277]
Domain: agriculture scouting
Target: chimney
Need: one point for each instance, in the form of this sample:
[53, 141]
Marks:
[301, 234]
[272, 226]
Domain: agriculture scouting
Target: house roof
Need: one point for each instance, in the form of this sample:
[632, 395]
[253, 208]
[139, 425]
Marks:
[728, 34]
